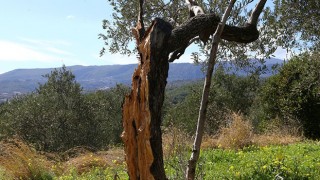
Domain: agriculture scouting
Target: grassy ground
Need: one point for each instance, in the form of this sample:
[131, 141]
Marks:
[20, 161]
[236, 153]
[295, 161]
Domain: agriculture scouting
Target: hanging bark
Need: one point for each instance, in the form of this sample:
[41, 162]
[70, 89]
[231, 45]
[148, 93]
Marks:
[142, 108]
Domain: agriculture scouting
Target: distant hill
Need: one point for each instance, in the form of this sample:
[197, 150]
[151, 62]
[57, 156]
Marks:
[99, 77]
[90, 77]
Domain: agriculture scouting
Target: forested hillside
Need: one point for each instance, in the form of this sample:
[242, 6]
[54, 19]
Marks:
[93, 78]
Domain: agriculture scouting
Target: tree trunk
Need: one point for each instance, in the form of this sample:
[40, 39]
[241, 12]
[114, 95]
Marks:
[142, 108]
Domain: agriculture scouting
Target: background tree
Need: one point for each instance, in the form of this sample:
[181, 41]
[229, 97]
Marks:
[70, 116]
[296, 23]
[229, 93]
[105, 110]
[294, 94]
[55, 117]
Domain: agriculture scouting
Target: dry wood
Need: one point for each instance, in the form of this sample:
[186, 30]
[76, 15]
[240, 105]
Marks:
[142, 108]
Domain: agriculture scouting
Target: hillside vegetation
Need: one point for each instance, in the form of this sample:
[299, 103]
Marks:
[94, 78]
[257, 128]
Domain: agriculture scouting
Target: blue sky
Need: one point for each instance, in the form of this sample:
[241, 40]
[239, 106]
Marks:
[49, 33]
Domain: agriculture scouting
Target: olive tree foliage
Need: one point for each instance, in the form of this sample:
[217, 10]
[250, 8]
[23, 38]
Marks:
[105, 110]
[55, 117]
[118, 37]
[297, 23]
[229, 93]
[58, 116]
[294, 94]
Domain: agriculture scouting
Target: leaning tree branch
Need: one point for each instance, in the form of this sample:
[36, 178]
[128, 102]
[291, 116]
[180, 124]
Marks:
[192, 163]
[207, 24]
[182, 34]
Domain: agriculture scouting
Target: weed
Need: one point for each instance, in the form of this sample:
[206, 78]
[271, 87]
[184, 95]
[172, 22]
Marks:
[21, 161]
[177, 148]
[237, 135]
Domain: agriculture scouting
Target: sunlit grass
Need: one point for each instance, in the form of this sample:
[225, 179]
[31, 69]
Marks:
[235, 153]
[20, 161]
[295, 161]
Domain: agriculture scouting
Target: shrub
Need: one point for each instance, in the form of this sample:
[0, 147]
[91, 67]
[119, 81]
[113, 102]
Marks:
[176, 146]
[294, 94]
[237, 135]
[229, 93]
[105, 109]
[55, 117]
[58, 116]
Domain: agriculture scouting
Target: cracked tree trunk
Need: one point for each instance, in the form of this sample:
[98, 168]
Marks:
[142, 108]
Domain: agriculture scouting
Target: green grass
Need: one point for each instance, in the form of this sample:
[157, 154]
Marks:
[96, 174]
[296, 161]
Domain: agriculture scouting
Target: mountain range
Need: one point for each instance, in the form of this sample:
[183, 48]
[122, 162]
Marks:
[21, 81]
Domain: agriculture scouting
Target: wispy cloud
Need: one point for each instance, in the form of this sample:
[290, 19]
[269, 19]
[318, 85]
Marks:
[116, 59]
[12, 51]
[69, 17]
[58, 51]
[34, 50]
[49, 46]
[45, 42]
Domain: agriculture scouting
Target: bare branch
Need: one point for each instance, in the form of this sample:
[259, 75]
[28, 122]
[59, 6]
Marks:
[182, 34]
[194, 8]
[208, 23]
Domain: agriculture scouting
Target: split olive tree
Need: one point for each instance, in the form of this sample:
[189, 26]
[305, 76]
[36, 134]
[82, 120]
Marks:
[163, 42]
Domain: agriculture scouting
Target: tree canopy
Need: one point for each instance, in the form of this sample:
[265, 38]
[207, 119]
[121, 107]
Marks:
[287, 24]
[118, 35]
[294, 93]
[59, 116]
[297, 23]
